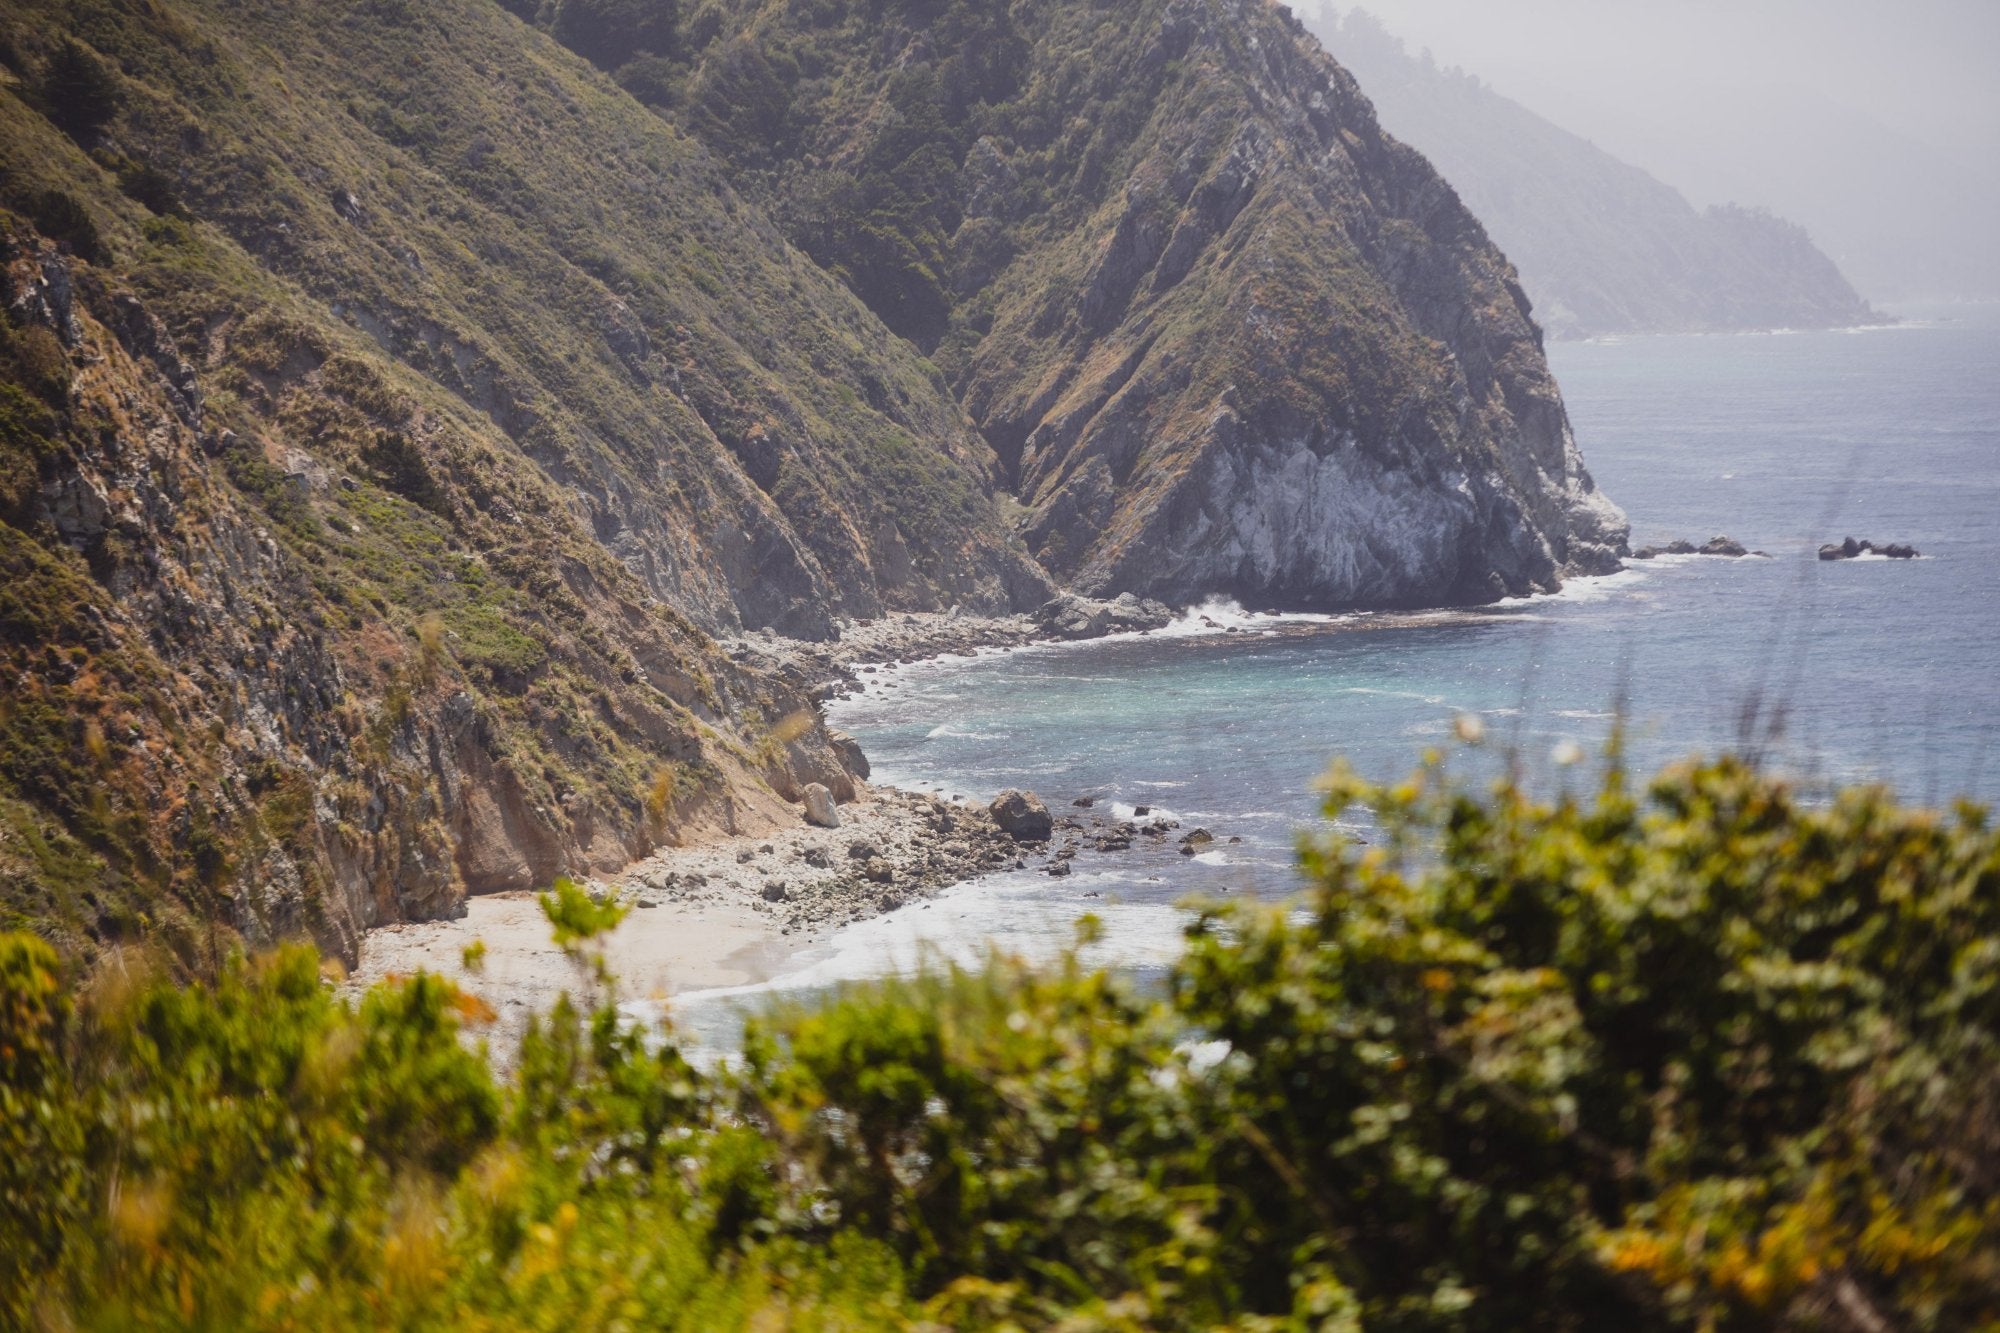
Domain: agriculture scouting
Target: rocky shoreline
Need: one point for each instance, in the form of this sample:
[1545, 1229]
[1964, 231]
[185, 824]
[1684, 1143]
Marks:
[740, 911]
[827, 669]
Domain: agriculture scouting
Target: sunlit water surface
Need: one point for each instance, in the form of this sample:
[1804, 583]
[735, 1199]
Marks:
[1872, 669]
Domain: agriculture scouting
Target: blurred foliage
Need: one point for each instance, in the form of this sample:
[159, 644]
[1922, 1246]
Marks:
[1706, 1057]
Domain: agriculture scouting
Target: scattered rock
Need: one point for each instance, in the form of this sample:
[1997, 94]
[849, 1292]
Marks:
[1022, 816]
[775, 892]
[1726, 547]
[820, 810]
[862, 850]
[1072, 617]
[1852, 549]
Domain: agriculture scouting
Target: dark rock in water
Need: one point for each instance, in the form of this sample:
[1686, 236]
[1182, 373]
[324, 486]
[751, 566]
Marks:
[1141, 811]
[1022, 816]
[1084, 802]
[1852, 549]
[1197, 838]
[1727, 547]
[1059, 869]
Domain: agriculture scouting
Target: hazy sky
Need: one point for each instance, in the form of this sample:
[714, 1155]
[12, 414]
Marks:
[1876, 123]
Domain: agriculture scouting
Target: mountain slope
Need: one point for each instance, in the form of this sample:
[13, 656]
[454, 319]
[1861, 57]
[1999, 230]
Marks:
[1602, 247]
[368, 497]
[394, 407]
[1224, 335]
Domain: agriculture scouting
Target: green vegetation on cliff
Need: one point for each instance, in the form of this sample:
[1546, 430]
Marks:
[1200, 306]
[389, 407]
[1704, 1057]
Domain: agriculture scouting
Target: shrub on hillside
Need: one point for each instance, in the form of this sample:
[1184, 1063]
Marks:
[1706, 1057]
[78, 90]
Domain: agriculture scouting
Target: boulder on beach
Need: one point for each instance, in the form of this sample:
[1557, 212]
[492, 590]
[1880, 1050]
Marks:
[1072, 617]
[820, 809]
[1022, 816]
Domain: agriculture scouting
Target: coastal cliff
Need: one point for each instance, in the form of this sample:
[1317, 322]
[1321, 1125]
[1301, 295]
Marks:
[402, 406]
[214, 718]
[1223, 333]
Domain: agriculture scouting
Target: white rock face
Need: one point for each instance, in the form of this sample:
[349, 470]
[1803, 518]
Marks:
[820, 810]
[1282, 521]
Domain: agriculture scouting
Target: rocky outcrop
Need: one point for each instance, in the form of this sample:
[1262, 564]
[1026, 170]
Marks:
[1072, 617]
[1725, 547]
[1851, 549]
[1022, 816]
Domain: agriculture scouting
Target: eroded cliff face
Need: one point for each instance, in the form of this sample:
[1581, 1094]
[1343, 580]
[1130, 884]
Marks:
[504, 222]
[370, 506]
[1280, 360]
[1223, 334]
[200, 728]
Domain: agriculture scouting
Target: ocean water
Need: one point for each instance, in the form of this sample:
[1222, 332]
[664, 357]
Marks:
[1870, 670]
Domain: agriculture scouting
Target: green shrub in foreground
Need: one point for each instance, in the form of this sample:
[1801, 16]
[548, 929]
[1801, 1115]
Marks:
[1706, 1058]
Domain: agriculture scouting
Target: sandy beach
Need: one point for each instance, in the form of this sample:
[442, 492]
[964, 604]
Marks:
[726, 913]
[736, 911]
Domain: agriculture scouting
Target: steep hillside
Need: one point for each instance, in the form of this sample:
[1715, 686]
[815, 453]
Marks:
[1223, 334]
[517, 230]
[368, 495]
[1602, 247]
[395, 405]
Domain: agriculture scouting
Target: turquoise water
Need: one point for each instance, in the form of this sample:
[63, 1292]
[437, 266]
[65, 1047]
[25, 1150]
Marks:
[1866, 670]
